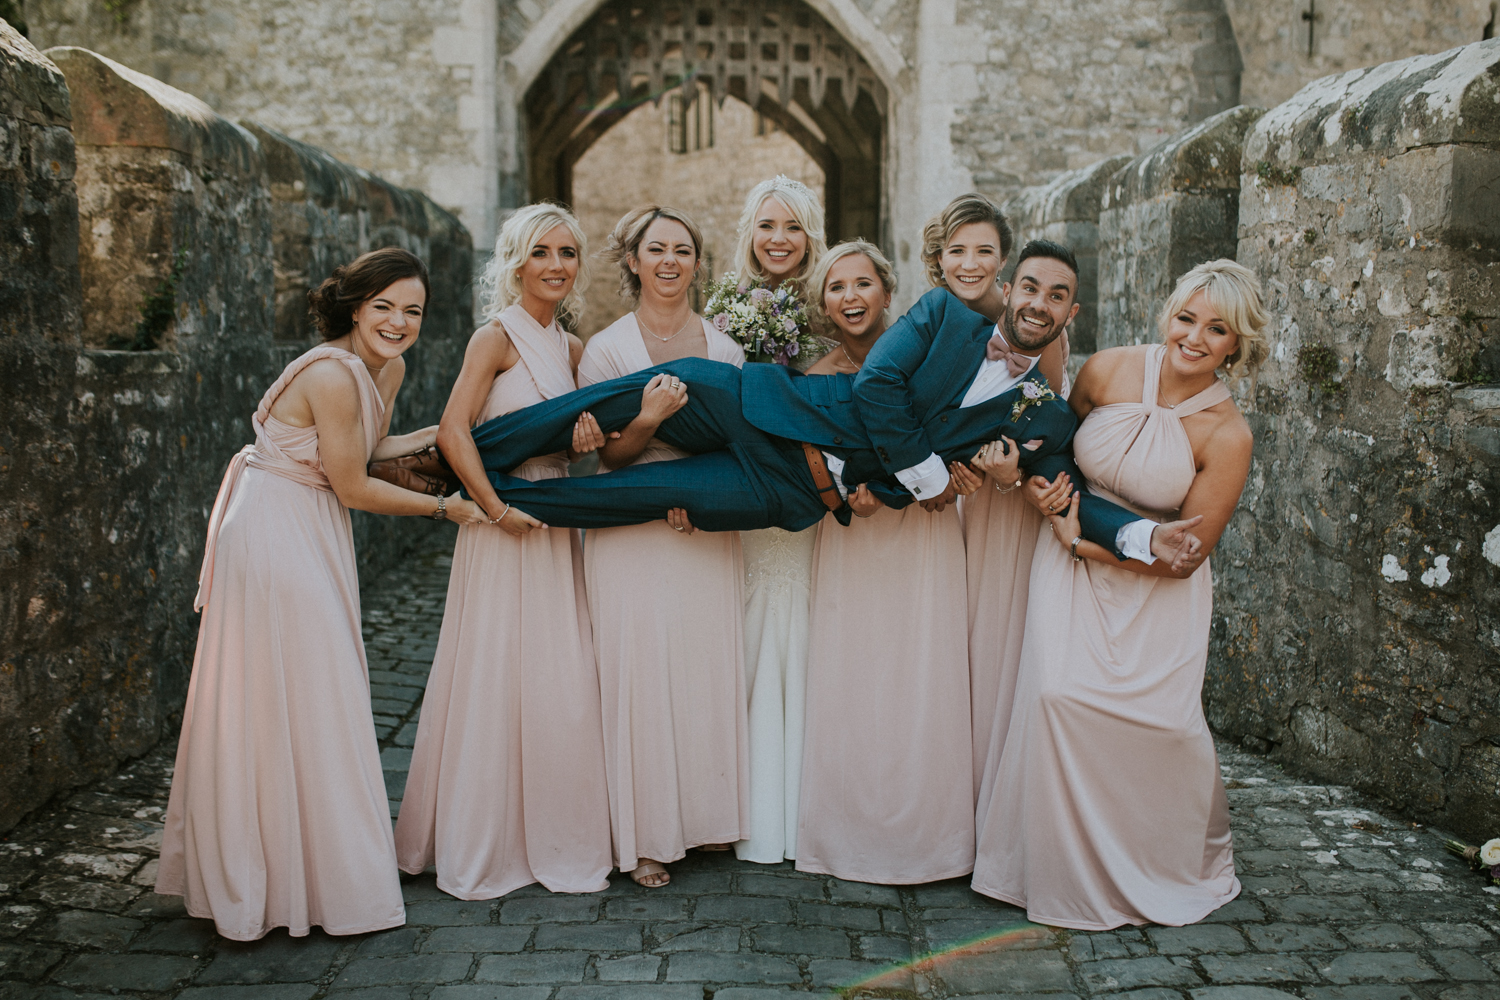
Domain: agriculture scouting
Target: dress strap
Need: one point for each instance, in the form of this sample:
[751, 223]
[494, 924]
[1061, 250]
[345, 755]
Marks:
[1216, 393]
[1151, 384]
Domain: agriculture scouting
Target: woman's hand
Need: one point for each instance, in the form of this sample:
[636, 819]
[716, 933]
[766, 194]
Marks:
[461, 511]
[678, 519]
[965, 482]
[587, 437]
[1049, 498]
[514, 522]
[663, 396]
[1001, 460]
[1065, 526]
[863, 502]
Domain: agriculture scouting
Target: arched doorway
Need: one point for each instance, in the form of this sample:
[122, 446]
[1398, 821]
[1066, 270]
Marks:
[780, 57]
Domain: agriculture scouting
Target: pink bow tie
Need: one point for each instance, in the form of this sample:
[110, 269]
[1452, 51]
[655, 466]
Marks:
[997, 348]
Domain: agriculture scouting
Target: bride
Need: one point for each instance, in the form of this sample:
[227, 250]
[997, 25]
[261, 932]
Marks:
[780, 240]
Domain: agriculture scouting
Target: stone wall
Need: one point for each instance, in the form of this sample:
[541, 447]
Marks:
[1357, 620]
[1066, 211]
[111, 458]
[1160, 215]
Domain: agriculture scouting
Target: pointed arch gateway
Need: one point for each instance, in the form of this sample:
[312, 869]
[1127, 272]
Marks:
[780, 57]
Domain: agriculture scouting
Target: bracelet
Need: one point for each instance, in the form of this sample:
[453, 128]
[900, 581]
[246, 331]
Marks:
[502, 514]
[1073, 548]
[1011, 489]
[442, 512]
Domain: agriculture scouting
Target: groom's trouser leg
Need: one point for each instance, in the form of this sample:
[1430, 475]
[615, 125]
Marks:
[721, 491]
[711, 420]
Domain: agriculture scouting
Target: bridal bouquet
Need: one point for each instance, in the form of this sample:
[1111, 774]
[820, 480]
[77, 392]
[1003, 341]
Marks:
[1484, 859]
[770, 326]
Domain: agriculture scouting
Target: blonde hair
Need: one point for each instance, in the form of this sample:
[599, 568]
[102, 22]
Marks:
[626, 238]
[960, 212]
[1233, 291]
[805, 208]
[819, 278]
[500, 284]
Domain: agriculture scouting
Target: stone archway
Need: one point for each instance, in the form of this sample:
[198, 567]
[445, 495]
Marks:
[781, 57]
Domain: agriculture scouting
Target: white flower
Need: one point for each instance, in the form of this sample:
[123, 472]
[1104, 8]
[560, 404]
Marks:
[1489, 854]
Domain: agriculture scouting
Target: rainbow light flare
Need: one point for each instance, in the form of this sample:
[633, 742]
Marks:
[893, 977]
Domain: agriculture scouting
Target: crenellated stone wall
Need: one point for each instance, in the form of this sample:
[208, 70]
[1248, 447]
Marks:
[1357, 620]
[110, 458]
[1163, 212]
[1066, 211]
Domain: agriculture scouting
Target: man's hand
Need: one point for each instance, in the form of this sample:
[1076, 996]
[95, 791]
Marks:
[1178, 547]
[942, 500]
[863, 502]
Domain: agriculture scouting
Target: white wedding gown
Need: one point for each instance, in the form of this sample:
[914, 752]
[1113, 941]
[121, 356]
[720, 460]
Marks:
[778, 581]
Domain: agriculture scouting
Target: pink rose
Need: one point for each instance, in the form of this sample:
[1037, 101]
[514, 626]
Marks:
[721, 322]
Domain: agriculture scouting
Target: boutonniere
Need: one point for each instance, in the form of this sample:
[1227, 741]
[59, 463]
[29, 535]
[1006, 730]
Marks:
[1032, 393]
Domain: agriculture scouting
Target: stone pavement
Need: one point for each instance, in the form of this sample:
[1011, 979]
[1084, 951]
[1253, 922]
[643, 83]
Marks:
[1340, 902]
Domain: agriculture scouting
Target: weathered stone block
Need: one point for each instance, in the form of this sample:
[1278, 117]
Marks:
[1164, 212]
[1367, 210]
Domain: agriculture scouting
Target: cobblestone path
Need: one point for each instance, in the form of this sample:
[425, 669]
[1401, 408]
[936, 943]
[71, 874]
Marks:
[1340, 901]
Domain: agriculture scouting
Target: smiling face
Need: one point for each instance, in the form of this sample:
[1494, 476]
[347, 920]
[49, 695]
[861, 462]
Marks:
[666, 260]
[971, 260]
[387, 323]
[854, 298]
[779, 242]
[1198, 338]
[551, 267]
[1039, 305]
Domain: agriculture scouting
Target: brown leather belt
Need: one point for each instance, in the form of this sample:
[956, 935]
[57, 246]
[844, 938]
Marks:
[822, 478]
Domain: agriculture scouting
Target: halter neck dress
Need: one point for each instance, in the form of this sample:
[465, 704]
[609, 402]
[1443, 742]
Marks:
[668, 636]
[278, 814]
[506, 785]
[1107, 807]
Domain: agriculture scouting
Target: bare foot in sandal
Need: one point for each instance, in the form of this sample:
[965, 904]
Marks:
[651, 874]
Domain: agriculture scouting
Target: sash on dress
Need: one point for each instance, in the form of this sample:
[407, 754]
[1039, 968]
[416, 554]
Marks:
[265, 454]
[543, 349]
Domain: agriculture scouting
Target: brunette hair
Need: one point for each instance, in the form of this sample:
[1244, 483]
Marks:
[961, 211]
[1233, 291]
[1055, 251]
[626, 238]
[819, 278]
[805, 208]
[333, 302]
[500, 284]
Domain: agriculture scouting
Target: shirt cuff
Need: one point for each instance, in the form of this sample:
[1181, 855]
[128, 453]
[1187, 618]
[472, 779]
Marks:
[836, 470]
[925, 480]
[1135, 540]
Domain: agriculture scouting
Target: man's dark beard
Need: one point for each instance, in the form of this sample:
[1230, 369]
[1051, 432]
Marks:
[1014, 337]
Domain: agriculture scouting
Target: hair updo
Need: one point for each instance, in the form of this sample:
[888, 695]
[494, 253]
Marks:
[960, 212]
[630, 232]
[333, 302]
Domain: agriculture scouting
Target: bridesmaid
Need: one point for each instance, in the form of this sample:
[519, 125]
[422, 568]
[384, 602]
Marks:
[1108, 807]
[665, 601]
[780, 242]
[278, 814]
[965, 248]
[507, 784]
[886, 655]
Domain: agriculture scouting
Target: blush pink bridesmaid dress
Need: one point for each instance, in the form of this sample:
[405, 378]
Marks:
[506, 785]
[278, 814]
[668, 636]
[887, 793]
[1000, 535]
[1108, 808]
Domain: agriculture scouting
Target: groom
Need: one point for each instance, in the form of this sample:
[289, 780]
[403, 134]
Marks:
[776, 448]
